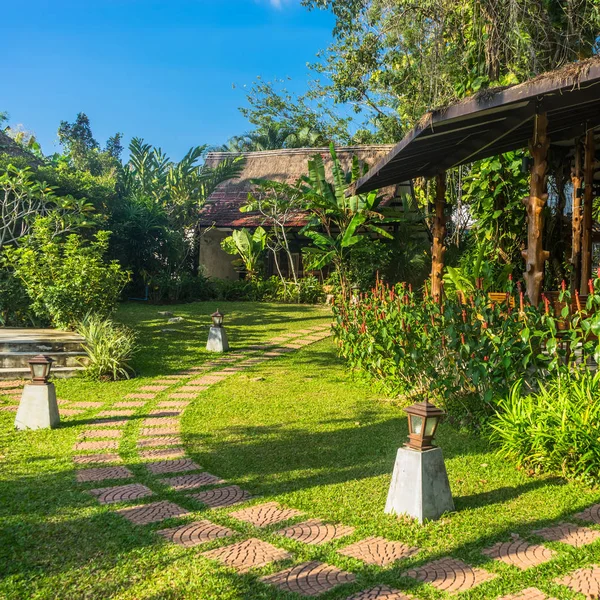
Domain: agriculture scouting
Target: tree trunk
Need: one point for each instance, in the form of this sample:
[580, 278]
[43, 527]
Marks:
[439, 233]
[535, 256]
[586, 244]
[576, 221]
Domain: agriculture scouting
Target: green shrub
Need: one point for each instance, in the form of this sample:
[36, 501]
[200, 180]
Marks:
[307, 291]
[555, 429]
[14, 302]
[109, 348]
[67, 279]
[168, 287]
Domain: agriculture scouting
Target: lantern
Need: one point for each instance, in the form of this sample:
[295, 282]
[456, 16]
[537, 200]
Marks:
[40, 366]
[217, 319]
[423, 419]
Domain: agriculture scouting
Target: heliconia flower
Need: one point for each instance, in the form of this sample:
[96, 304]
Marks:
[464, 315]
[484, 325]
[591, 286]
[472, 355]
[521, 301]
[563, 285]
[486, 358]
[510, 277]
[462, 339]
[577, 300]
[546, 304]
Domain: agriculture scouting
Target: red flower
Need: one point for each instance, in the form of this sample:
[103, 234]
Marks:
[591, 286]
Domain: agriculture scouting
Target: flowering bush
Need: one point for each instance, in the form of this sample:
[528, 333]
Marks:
[465, 352]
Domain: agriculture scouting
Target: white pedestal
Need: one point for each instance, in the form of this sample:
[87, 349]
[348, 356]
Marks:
[38, 408]
[420, 486]
[217, 340]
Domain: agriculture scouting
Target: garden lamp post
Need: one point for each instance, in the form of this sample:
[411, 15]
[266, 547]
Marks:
[217, 338]
[420, 487]
[38, 408]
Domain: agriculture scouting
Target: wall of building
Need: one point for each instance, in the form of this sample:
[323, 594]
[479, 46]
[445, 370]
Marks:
[214, 262]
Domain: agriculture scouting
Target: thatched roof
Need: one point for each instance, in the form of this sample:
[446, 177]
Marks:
[223, 207]
[492, 122]
[10, 147]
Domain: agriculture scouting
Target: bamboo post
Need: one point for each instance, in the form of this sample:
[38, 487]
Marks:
[588, 195]
[535, 256]
[576, 220]
[439, 234]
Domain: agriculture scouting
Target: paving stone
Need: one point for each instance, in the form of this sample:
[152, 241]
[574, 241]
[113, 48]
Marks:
[222, 497]
[171, 378]
[590, 514]
[141, 396]
[102, 433]
[102, 473]
[121, 493]
[159, 422]
[184, 394]
[98, 459]
[161, 412]
[153, 512]
[159, 440]
[130, 404]
[190, 389]
[167, 380]
[173, 404]
[194, 534]
[192, 481]
[266, 514]
[11, 384]
[230, 370]
[378, 551]
[86, 404]
[70, 412]
[153, 388]
[208, 380]
[116, 413]
[154, 431]
[519, 553]
[10, 408]
[567, 533]
[380, 592]
[96, 445]
[585, 581]
[172, 466]
[309, 579]
[195, 383]
[246, 555]
[450, 575]
[176, 452]
[116, 422]
[315, 532]
[528, 594]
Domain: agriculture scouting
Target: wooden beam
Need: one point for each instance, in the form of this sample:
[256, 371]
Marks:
[439, 234]
[576, 220]
[588, 198]
[535, 256]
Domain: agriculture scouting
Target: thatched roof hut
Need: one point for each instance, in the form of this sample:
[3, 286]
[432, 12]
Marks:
[10, 147]
[287, 166]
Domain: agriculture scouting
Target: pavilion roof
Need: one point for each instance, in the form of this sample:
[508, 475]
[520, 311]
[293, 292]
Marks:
[491, 122]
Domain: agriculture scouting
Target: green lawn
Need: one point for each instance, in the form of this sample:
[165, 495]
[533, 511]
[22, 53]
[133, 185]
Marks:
[297, 429]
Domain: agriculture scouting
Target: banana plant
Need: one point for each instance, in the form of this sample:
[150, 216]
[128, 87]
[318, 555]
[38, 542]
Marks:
[338, 221]
[249, 246]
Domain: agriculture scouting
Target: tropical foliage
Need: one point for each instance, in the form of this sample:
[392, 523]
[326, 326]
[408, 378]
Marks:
[249, 247]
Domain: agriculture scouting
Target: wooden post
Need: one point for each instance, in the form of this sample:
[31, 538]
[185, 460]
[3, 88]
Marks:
[586, 243]
[576, 220]
[439, 234]
[535, 256]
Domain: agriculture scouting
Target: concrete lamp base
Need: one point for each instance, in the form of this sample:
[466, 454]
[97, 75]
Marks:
[217, 340]
[420, 487]
[38, 408]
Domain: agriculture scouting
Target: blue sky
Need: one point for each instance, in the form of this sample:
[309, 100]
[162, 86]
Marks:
[162, 70]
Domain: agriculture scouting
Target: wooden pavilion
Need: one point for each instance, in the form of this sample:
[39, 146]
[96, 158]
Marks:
[558, 108]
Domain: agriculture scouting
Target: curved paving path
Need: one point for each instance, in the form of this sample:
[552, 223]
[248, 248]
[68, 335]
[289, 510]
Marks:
[159, 446]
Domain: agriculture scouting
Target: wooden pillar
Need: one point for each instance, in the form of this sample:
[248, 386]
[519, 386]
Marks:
[535, 256]
[588, 198]
[576, 220]
[439, 234]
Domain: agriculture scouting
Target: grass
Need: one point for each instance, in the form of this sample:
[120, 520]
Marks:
[298, 430]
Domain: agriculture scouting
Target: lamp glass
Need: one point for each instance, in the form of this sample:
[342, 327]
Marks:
[416, 424]
[39, 370]
[431, 426]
